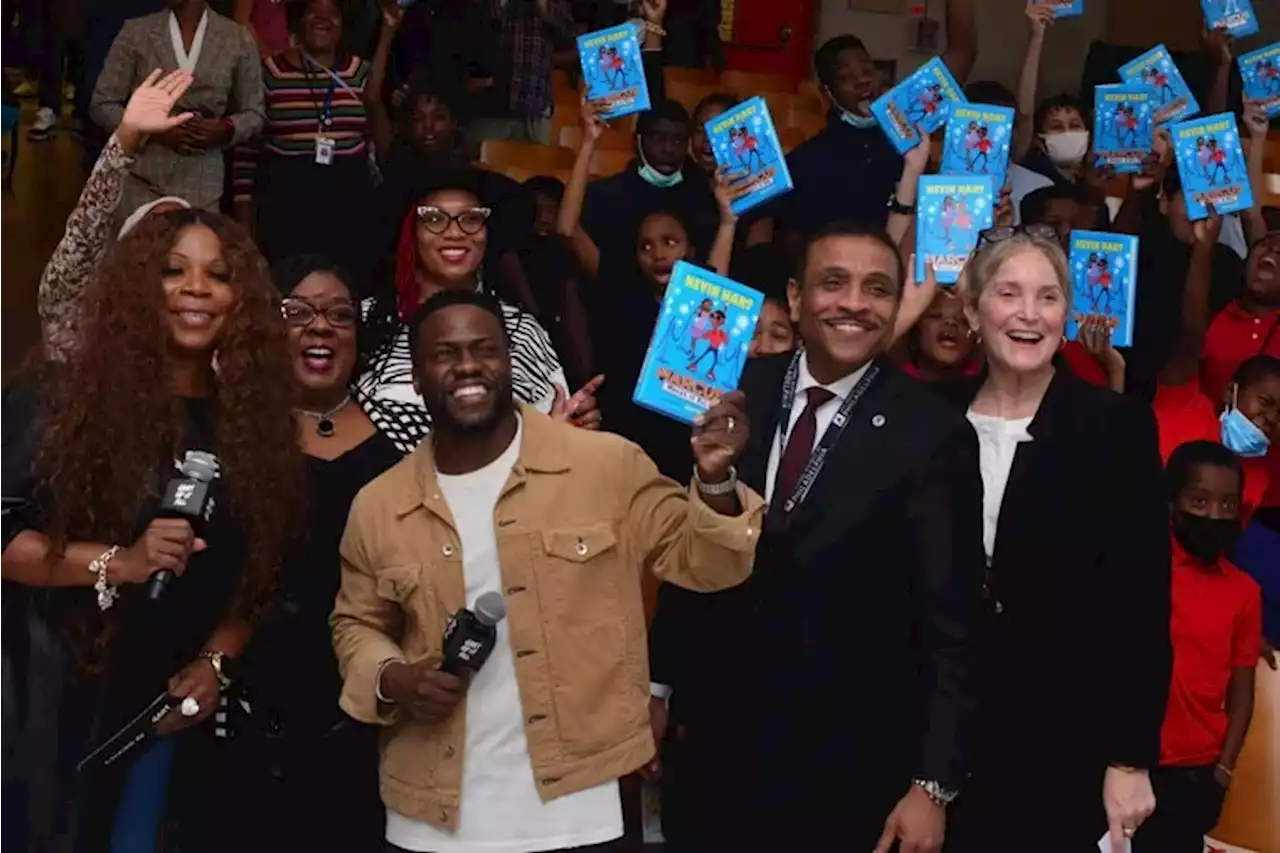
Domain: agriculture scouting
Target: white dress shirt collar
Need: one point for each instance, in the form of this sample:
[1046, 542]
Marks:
[841, 388]
[187, 61]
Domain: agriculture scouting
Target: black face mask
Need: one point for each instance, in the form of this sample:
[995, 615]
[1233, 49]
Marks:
[1204, 538]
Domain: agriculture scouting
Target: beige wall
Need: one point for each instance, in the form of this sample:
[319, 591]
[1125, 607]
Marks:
[1002, 35]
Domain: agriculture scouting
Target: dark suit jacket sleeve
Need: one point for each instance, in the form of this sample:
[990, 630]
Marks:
[946, 560]
[1136, 603]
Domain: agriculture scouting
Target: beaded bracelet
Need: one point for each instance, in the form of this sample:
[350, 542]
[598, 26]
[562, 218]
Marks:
[107, 592]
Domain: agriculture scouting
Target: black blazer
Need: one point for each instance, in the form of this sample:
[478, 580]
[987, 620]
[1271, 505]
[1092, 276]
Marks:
[848, 658]
[1076, 658]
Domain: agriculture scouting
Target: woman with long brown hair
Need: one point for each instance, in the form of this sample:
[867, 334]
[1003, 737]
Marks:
[182, 350]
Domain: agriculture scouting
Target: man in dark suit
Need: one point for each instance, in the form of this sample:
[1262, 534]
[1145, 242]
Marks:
[831, 697]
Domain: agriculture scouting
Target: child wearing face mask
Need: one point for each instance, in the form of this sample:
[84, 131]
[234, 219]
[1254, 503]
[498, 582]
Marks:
[1062, 140]
[1185, 410]
[626, 296]
[1216, 632]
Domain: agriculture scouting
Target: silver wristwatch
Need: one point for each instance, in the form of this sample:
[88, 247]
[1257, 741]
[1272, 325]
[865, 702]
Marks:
[935, 792]
[728, 486]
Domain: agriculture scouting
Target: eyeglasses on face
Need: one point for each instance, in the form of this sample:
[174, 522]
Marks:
[1004, 232]
[437, 221]
[299, 314]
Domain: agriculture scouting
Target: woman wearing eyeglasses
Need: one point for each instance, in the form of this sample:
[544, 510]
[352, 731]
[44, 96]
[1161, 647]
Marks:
[300, 771]
[442, 246]
[1074, 648]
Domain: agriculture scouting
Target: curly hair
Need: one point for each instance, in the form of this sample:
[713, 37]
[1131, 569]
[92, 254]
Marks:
[113, 421]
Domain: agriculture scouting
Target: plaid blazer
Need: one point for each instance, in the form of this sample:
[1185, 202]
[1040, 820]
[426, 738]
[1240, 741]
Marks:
[228, 82]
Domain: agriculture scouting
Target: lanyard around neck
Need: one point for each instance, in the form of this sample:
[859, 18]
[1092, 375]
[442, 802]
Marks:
[187, 61]
[818, 458]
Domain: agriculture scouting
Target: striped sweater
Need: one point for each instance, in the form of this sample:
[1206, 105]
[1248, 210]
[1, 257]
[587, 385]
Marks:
[295, 100]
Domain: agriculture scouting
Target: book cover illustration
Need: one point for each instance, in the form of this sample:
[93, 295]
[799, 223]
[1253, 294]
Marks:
[1063, 8]
[745, 143]
[1156, 70]
[950, 215]
[1260, 71]
[1235, 16]
[613, 71]
[1123, 131]
[1212, 165]
[924, 98]
[1104, 275]
[977, 141]
[699, 344]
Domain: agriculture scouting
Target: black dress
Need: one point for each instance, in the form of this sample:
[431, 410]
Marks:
[303, 774]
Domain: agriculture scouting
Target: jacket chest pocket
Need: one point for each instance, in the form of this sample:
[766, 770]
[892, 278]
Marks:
[580, 580]
[407, 587]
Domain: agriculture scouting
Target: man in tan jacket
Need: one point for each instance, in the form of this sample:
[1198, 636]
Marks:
[525, 755]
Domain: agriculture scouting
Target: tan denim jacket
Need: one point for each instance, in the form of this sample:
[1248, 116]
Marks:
[581, 516]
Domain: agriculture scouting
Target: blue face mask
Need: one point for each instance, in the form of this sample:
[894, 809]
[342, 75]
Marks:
[1240, 435]
[652, 176]
[855, 120]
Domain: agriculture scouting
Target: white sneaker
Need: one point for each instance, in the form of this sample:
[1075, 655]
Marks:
[44, 126]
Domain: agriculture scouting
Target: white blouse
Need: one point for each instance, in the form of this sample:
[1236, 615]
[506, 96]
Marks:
[998, 441]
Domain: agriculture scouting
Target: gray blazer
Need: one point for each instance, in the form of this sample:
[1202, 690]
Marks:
[228, 82]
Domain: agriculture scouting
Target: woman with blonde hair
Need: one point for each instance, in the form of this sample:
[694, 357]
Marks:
[1075, 651]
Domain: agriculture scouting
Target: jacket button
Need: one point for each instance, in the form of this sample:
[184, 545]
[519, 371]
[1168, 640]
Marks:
[581, 548]
[512, 590]
[447, 550]
[444, 816]
[449, 750]
[999, 607]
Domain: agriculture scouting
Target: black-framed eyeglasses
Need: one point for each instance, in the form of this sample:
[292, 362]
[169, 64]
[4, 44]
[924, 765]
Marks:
[1004, 232]
[299, 314]
[437, 221]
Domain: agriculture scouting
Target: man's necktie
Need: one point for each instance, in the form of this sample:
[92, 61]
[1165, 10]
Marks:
[800, 444]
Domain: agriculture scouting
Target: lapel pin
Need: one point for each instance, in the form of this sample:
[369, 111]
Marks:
[877, 420]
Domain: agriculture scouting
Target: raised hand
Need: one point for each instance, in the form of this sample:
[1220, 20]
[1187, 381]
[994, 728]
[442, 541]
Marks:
[1255, 120]
[392, 15]
[1040, 16]
[655, 11]
[589, 116]
[723, 191]
[582, 409]
[1206, 231]
[719, 435]
[1217, 44]
[916, 161]
[150, 105]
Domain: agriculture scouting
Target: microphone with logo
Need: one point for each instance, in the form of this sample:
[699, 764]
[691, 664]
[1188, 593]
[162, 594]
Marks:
[470, 635]
[188, 496]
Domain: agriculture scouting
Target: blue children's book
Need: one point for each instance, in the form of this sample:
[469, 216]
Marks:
[977, 141]
[924, 99]
[1212, 165]
[613, 71]
[1260, 71]
[699, 345]
[1064, 8]
[746, 144]
[950, 214]
[1122, 128]
[1235, 15]
[1104, 273]
[1155, 69]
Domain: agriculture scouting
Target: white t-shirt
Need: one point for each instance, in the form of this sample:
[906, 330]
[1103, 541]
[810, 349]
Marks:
[501, 811]
[998, 441]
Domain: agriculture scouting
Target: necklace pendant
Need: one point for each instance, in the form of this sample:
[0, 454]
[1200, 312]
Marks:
[324, 428]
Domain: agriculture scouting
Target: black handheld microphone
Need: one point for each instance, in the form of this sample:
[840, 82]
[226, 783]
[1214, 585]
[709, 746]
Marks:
[188, 496]
[470, 636]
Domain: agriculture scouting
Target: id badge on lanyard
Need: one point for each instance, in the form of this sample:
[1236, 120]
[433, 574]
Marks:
[324, 150]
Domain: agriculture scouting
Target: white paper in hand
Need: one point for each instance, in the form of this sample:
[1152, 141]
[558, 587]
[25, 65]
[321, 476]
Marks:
[1104, 844]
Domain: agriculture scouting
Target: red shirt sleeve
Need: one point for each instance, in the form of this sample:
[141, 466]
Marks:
[1084, 365]
[1246, 645]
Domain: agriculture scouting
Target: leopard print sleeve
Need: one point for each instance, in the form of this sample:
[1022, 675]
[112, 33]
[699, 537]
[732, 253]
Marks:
[85, 241]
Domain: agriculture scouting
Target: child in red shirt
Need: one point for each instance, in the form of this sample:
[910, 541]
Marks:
[1216, 631]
